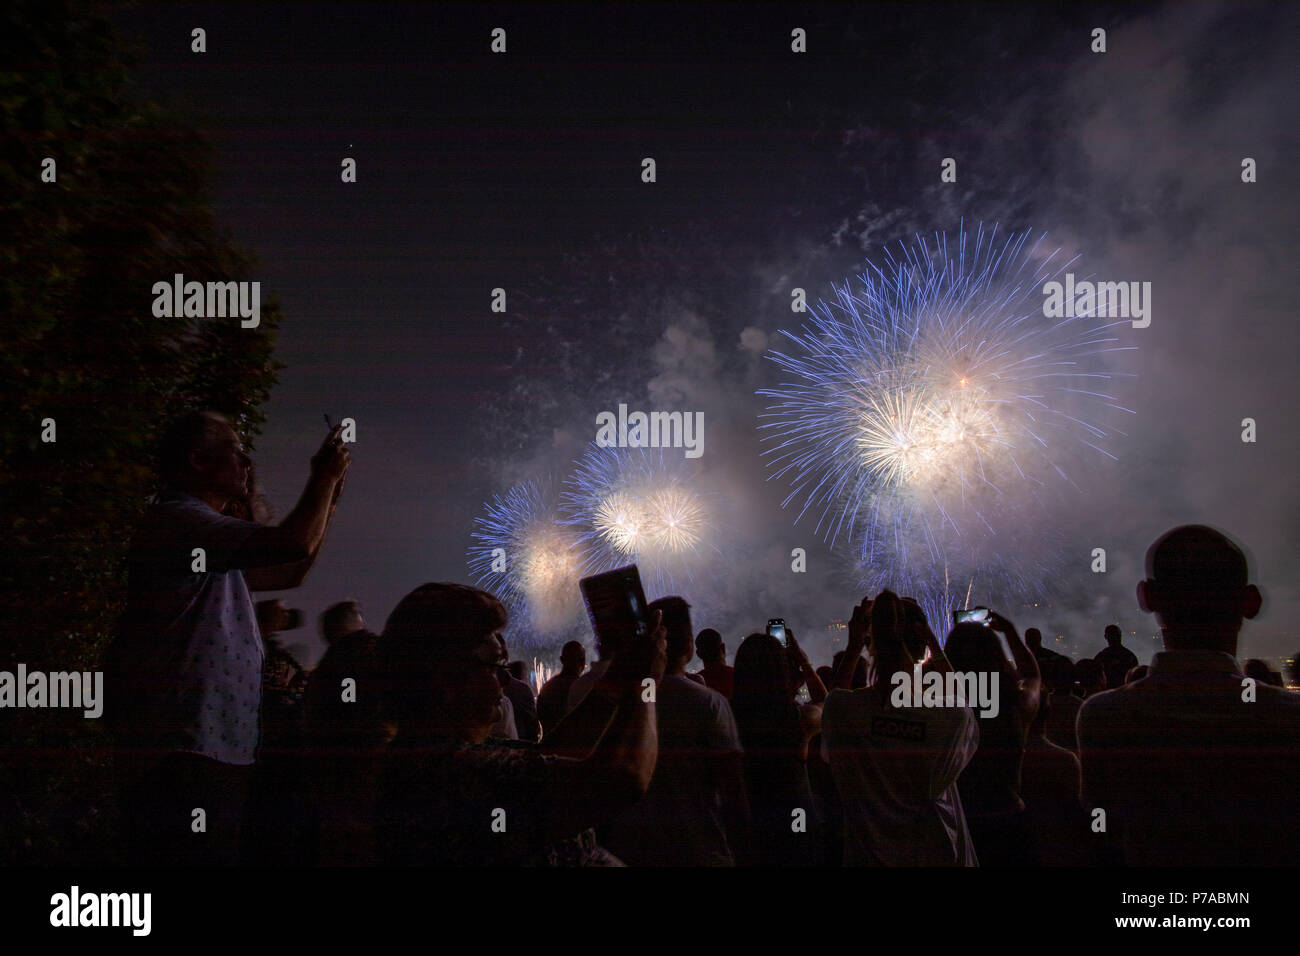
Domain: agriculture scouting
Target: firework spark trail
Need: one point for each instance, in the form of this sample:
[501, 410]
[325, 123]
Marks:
[928, 409]
[639, 506]
[542, 563]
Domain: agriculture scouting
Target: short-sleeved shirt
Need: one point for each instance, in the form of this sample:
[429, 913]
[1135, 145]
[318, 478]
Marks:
[505, 725]
[452, 803]
[720, 677]
[679, 821]
[191, 651]
[896, 770]
[1195, 771]
[524, 703]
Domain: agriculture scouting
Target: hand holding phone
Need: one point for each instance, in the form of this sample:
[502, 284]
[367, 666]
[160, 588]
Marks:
[333, 458]
[975, 615]
[795, 652]
[776, 628]
[644, 655]
[860, 626]
[616, 605]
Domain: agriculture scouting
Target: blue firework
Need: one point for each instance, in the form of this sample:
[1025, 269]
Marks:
[523, 554]
[640, 506]
[929, 414]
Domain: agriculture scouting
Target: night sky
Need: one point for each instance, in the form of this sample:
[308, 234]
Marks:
[522, 171]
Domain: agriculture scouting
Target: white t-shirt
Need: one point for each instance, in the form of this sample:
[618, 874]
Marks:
[679, 820]
[896, 771]
[505, 725]
[194, 651]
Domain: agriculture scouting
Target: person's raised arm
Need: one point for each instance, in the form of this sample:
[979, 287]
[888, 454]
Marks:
[808, 673]
[859, 624]
[298, 537]
[916, 620]
[618, 772]
[578, 731]
[1026, 664]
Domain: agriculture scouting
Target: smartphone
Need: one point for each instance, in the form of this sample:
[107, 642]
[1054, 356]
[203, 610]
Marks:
[975, 615]
[776, 627]
[616, 604]
[328, 424]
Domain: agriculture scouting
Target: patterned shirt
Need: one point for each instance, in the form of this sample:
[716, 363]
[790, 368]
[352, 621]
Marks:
[191, 644]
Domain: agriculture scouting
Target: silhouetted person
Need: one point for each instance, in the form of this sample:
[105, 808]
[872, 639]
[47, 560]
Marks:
[822, 781]
[1136, 674]
[990, 784]
[553, 699]
[1192, 768]
[608, 645]
[775, 730]
[284, 680]
[713, 653]
[896, 767]
[346, 734]
[186, 666]
[504, 726]
[857, 677]
[449, 795]
[1050, 787]
[1261, 672]
[1034, 641]
[695, 812]
[280, 819]
[524, 705]
[1090, 677]
[1115, 658]
[1064, 711]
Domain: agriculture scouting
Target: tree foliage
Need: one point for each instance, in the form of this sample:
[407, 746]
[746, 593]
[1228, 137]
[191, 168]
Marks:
[79, 344]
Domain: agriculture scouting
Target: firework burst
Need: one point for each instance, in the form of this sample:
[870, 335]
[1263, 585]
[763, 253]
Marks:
[638, 506]
[930, 410]
[531, 561]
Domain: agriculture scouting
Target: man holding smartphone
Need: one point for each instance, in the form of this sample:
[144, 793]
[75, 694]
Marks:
[896, 768]
[186, 668]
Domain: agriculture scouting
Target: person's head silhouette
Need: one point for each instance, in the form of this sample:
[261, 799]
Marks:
[341, 619]
[1197, 587]
[1113, 635]
[443, 656]
[708, 644]
[573, 658]
[680, 638]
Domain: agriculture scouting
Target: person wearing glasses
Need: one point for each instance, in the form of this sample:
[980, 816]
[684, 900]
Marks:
[453, 795]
